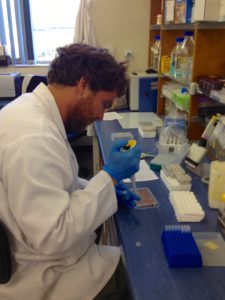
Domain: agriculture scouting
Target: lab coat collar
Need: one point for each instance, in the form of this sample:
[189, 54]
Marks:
[47, 99]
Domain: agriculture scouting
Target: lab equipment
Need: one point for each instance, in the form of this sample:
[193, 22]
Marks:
[221, 215]
[180, 247]
[146, 155]
[173, 137]
[143, 92]
[122, 164]
[164, 159]
[10, 86]
[133, 181]
[212, 248]
[216, 183]
[197, 151]
[186, 206]
[165, 64]
[129, 145]
[175, 178]
[125, 196]
[173, 55]
[178, 95]
[185, 58]
[216, 142]
[147, 129]
[155, 53]
[121, 136]
[206, 84]
[147, 199]
[195, 155]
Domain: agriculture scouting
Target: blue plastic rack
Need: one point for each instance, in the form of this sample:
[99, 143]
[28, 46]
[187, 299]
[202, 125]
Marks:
[180, 247]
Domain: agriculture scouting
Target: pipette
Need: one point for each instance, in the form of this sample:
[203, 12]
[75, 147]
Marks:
[133, 181]
[131, 144]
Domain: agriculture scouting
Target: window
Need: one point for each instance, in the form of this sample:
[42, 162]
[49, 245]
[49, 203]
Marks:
[32, 30]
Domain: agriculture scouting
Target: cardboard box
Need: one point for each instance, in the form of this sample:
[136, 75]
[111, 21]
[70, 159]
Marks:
[206, 10]
[183, 11]
[169, 11]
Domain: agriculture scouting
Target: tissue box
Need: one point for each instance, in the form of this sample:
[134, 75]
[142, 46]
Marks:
[206, 10]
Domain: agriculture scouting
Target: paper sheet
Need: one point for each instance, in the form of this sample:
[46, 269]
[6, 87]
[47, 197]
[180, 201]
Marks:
[109, 116]
[144, 174]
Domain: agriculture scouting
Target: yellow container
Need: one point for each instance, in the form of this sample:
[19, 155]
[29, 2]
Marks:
[165, 64]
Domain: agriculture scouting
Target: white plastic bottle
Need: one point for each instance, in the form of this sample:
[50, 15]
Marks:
[173, 55]
[184, 68]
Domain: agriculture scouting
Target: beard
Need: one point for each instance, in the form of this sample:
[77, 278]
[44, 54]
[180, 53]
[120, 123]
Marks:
[76, 123]
[80, 116]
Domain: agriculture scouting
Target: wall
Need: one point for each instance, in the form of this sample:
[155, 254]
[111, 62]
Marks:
[120, 25]
[123, 25]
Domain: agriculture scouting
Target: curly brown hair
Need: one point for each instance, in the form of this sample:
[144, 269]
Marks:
[99, 68]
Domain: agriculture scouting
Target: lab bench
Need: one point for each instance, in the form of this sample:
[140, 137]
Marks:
[139, 235]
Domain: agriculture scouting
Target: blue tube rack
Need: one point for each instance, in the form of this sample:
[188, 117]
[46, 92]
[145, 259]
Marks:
[180, 247]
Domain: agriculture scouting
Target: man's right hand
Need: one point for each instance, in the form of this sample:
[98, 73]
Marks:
[122, 164]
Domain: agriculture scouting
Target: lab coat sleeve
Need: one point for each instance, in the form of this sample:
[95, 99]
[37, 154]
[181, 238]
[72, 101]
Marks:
[82, 183]
[37, 174]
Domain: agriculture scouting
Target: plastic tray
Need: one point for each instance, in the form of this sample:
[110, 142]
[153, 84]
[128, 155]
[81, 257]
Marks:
[124, 135]
[147, 199]
[212, 248]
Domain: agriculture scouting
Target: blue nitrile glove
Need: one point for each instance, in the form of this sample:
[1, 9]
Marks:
[122, 164]
[124, 195]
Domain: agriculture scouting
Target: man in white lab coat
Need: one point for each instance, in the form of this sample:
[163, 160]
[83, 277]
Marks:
[51, 214]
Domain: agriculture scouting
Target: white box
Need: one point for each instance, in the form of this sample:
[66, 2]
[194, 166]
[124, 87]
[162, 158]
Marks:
[206, 10]
[169, 11]
[147, 129]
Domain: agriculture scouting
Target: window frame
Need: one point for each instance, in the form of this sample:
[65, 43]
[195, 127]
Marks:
[21, 34]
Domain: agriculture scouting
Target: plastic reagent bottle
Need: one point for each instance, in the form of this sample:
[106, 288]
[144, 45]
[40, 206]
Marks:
[173, 55]
[155, 53]
[184, 60]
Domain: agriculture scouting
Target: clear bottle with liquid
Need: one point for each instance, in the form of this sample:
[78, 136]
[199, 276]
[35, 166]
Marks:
[173, 55]
[155, 53]
[184, 59]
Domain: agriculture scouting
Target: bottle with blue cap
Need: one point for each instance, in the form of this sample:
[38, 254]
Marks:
[155, 53]
[179, 41]
[184, 69]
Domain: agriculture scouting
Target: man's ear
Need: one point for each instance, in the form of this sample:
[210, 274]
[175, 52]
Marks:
[82, 84]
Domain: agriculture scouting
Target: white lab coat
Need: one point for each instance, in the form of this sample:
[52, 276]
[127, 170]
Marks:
[50, 212]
